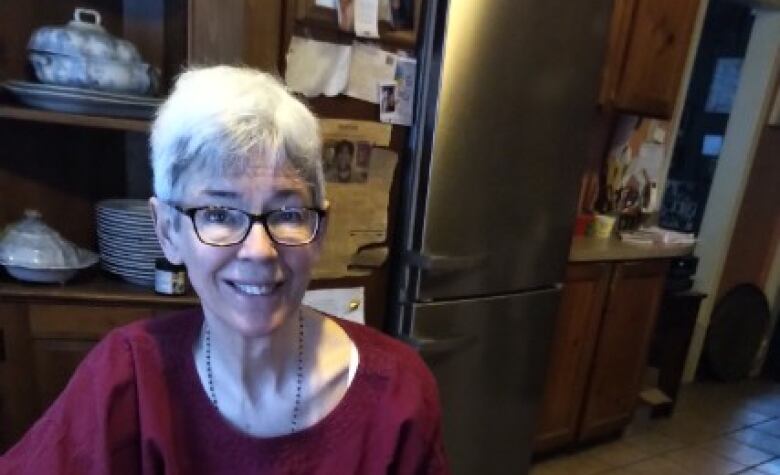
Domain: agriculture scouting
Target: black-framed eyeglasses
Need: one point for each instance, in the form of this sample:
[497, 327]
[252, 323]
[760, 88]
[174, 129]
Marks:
[224, 226]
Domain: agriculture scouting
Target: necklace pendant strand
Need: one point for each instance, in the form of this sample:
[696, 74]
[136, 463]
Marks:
[298, 372]
[209, 372]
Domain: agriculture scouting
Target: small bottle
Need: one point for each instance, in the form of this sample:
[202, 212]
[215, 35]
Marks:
[169, 278]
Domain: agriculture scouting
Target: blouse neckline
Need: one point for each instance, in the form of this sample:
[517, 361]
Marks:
[348, 409]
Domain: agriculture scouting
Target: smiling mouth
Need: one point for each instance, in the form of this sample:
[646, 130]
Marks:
[254, 289]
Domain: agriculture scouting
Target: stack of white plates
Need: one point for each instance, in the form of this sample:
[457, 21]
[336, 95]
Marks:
[126, 239]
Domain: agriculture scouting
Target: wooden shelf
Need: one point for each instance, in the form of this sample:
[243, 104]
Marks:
[37, 115]
[93, 288]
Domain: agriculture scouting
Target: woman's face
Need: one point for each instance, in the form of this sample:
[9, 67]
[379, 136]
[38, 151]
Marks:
[253, 286]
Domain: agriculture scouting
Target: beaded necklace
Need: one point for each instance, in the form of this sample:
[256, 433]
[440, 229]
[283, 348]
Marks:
[298, 376]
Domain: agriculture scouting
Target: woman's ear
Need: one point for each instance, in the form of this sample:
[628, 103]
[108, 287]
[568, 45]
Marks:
[165, 230]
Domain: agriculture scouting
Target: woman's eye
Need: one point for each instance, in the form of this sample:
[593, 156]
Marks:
[292, 216]
[216, 216]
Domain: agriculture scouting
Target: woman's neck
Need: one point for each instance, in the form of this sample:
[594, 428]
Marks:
[245, 364]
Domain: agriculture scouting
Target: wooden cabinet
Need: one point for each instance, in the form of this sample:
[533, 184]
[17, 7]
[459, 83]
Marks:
[17, 388]
[579, 315]
[623, 344]
[604, 328]
[43, 340]
[646, 56]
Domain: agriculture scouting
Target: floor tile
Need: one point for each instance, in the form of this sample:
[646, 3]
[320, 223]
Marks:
[700, 461]
[655, 443]
[652, 466]
[737, 451]
[771, 468]
[716, 429]
[770, 427]
[620, 453]
[690, 429]
[580, 464]
[759, 440]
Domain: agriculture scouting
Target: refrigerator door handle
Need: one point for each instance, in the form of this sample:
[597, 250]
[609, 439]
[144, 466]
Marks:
[438, 346]
[444, 264]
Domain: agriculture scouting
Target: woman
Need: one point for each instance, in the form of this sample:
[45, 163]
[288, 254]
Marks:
[251, 383]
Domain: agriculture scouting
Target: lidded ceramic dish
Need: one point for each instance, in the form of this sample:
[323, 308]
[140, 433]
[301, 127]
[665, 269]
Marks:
[83, 54]
[33, 251]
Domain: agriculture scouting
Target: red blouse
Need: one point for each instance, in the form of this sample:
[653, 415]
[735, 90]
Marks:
[136, 405]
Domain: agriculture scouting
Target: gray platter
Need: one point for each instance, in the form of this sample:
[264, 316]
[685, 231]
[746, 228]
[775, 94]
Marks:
[81, 101]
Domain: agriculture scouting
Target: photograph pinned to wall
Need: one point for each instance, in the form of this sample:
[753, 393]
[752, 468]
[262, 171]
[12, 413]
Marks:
[396, 98]
[387, 94]
[346, 161]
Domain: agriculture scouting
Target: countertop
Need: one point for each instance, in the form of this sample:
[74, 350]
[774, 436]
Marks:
[590, 249]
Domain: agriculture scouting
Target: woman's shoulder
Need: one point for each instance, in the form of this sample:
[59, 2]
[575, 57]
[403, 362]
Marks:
[168, 331]
[385, 356]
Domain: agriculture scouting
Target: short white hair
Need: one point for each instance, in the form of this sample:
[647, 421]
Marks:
[221, 118]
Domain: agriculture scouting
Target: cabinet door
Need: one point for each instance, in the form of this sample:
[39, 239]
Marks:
[18, 404]
[656, 55]
[579, 314]
[55, 362]
[619, 37]
[622, 346]
[64, 334]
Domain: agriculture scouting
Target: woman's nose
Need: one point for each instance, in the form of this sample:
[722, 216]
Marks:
[258, 244]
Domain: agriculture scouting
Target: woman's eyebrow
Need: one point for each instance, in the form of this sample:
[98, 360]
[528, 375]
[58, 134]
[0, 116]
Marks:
[286, 193]
[220, 193]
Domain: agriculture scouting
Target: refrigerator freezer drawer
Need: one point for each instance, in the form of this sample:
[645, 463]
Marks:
[489, 357]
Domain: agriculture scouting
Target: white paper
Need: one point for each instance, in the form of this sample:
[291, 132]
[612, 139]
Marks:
[396, 98]
[316, 67]
[367, 18]
[385, 12]
[646, 167]
[369, 67]
[326, 3]
[343, 303]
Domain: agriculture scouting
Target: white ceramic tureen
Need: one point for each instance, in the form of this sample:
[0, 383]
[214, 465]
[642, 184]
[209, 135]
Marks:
[83, 54]
[32, 251]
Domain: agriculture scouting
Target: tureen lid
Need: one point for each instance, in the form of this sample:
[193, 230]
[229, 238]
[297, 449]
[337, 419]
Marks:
[32, 244]
[83, 37]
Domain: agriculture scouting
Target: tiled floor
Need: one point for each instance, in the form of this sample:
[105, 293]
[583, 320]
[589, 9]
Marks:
[717, 429]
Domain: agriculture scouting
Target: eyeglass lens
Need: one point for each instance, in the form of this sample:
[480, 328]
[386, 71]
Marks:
[224, 226]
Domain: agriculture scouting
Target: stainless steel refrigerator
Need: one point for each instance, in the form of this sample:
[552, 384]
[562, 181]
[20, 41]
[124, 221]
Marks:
[506, 95]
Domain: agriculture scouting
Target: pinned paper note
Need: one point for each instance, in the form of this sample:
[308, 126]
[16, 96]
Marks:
[357, 219]
[374, 133]
[396, 98]
[316, 67]
[343, 303]
[369, 67]
[385, 11]
[367, 18]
